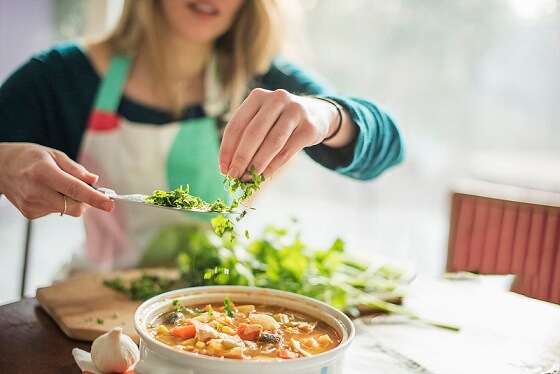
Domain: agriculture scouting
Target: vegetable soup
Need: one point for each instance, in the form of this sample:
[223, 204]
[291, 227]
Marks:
[261, 332]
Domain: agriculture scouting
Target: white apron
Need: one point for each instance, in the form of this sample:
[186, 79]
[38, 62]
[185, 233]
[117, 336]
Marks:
[140, 158]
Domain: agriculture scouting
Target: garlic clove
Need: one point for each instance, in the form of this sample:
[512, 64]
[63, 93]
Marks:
[114, 352]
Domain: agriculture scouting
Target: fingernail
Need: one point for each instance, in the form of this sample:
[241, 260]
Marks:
[107, 206]
[233, 173]
[223, 168]
[91, 175]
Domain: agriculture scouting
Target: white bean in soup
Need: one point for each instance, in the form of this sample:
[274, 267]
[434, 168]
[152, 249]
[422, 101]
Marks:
[244, 332]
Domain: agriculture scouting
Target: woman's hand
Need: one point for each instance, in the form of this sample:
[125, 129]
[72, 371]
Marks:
[35, 178]
[270, 127]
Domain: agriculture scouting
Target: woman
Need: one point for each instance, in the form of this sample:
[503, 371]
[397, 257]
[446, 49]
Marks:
[143, 109]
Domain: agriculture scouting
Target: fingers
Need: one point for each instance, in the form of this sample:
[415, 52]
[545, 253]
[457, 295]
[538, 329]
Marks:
[71, 179]
[35, 205]
[257, 140]
[35, 178]
[250, 128]
[74, 185]
[269, 128]
[260, 128]
[274, 142]
[74, 208]
[292, 146]
[68, 206]
[73, 168]
[235, 130]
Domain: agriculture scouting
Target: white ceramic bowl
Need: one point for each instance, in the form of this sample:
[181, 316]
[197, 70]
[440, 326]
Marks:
[158, 358]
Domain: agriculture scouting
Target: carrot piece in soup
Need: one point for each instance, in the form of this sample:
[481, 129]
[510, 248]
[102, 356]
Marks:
[249, 332]
[285, 354]
[184, 332]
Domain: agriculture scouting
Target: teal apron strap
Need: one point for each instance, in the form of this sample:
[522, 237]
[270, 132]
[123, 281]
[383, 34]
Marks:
[193, 160]
[110, 91]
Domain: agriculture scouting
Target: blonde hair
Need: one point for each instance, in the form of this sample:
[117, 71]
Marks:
[244, 51]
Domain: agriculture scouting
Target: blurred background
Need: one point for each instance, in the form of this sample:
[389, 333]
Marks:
[473, 85]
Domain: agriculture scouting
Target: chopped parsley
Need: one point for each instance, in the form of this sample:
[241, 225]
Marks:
[248, 187]
[178, 305]
[221, 225]
[181, 198]
[228, 307]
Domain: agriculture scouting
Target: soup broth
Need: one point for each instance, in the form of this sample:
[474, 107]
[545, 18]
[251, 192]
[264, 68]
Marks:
[245, 332]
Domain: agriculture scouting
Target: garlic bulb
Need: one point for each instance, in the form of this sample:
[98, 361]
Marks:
[114, 352]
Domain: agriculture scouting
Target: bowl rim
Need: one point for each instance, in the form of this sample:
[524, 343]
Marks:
[343, 320]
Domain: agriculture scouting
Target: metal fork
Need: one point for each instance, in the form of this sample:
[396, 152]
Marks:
[141, 199]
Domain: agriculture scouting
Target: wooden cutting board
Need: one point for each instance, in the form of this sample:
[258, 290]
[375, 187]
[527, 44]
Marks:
[84, 308]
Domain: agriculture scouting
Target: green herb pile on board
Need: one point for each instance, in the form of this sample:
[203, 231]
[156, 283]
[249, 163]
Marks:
[280, 259]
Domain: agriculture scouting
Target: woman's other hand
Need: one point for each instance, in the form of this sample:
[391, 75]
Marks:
[270, 127]
[35, 178]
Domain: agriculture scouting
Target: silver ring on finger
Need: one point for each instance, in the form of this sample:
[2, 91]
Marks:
[65, 206]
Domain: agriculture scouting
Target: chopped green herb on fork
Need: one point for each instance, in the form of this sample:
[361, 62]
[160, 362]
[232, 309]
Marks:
[181, 198]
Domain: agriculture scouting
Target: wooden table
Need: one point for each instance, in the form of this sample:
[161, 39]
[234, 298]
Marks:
[501, 333]
[31, 342]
